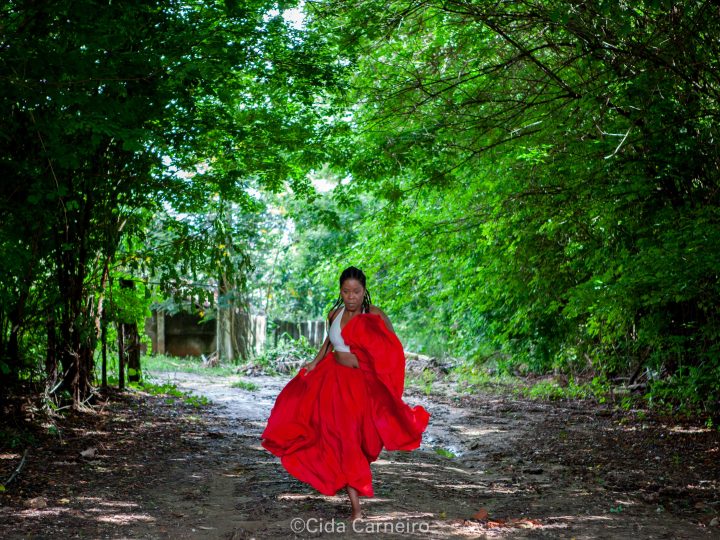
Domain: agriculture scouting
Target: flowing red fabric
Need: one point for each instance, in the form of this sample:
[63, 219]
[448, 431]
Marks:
[330, 423]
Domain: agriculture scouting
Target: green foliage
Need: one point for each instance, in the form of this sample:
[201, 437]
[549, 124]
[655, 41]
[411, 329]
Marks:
[427, 378]
[544, 181]
[444, 453]
[155, 364]
[15, 439]
[134, 138]
[127, 304]
[551, 389]
[470, 377]
[196, 401]
[287, 353]
[244, 385]
[172, 393]
[689, 390]
[521, 182]
[296, 274]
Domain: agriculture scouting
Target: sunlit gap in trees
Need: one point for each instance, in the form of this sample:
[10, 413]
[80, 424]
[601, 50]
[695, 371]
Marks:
[294, 17]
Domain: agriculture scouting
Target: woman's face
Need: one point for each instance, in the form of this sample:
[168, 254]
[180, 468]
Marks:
[352, 293]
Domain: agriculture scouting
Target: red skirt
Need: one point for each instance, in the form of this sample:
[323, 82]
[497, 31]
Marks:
[329, 424]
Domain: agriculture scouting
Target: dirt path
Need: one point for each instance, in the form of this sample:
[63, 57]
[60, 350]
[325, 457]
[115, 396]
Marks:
[539, 470]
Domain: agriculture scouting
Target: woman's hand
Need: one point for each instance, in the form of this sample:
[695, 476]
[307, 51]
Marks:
[310, 365]
[324, 348]
[346, 359]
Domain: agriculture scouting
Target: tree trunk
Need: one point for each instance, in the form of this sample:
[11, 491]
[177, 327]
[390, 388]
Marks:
[131, 341]
[103, 339]
[83, 391]
[12, 353]
[121, 357]
[101, 321]
[132, 348]
[51, 354]
[75, 344]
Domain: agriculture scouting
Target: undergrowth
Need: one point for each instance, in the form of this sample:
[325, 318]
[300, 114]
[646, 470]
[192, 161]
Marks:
[188, 364]
[166, 389]
[691, 392]
[286, 355]
[551, 389]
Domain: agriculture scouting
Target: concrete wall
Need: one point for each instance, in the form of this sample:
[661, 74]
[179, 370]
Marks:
[234, 333]
[181, 334]
[313, 331]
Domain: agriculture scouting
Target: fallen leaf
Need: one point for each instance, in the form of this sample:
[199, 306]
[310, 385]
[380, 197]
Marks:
[527, 523]
[481, 514]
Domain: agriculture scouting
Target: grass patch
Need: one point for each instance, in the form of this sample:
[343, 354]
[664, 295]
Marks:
[424, 381]
[171, 392]
[471, 378]
[168, 390]
[444, 452]
[174, 364]
[551, 389]
[165, 364]
[245, 385]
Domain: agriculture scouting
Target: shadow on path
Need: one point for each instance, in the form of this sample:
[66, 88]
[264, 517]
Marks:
[538, 470]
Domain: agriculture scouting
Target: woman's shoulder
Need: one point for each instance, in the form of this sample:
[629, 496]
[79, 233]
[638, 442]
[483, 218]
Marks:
[377, 311]
[334, 312]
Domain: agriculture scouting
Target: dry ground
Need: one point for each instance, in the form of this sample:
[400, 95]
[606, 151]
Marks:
[491, 466]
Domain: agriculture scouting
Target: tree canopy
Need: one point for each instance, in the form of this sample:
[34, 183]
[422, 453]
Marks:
[545, 178]
[534, 182]
[123, 115]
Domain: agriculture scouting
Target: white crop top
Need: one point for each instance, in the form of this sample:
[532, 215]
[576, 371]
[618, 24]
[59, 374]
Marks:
[334, 333]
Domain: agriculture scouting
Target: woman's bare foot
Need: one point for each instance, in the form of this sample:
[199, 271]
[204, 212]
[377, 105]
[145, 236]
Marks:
[355, 503]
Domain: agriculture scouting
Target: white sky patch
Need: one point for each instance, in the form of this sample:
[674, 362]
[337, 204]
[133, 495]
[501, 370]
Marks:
[295, 17]
[253, 192]
[324, 182]
[322, 185]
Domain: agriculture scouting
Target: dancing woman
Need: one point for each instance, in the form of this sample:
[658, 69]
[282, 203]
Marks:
[336, 415]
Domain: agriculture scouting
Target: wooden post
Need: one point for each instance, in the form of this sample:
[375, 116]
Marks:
[160, 337]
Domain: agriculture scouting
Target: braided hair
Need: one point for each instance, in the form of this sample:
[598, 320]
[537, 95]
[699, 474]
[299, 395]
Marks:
[353, 273]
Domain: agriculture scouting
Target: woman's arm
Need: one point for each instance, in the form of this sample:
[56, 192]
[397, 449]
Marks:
[324, 348]
[378, 311]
